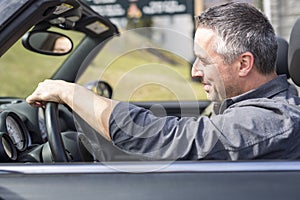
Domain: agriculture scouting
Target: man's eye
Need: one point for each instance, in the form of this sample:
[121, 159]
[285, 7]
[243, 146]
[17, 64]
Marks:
[198, 62]
[203, 62]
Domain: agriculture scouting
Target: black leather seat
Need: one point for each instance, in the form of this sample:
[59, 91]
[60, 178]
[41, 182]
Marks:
[294, 53]
[282, 57]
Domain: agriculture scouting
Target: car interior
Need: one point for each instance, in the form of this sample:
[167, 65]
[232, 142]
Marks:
[65, 137]
[51, 153]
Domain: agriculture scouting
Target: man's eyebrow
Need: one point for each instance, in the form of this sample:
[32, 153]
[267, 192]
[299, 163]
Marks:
[203, 58]
[201, 53]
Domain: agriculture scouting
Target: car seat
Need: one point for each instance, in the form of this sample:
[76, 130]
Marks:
[282, 57]
[294, 53]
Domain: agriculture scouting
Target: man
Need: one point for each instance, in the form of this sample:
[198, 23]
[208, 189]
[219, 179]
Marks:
[257, 113]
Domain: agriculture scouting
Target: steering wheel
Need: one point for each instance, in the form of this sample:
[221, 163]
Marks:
[53, 132]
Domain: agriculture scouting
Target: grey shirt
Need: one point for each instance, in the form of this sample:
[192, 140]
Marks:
[261, 124]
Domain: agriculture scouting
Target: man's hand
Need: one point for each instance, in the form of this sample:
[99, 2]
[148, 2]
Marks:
[51, 91]
[94, 109]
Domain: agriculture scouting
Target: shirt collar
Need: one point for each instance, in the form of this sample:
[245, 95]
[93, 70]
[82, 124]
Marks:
[267, 90]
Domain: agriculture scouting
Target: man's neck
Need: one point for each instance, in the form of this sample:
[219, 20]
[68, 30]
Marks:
[256, 80]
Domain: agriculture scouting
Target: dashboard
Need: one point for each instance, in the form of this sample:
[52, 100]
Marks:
[14, 133]
[23, 134]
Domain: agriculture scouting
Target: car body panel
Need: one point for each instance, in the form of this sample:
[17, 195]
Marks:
[187, 180]
[34, 175]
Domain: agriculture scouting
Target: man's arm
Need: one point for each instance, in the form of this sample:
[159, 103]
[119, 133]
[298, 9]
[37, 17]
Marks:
[94, 109]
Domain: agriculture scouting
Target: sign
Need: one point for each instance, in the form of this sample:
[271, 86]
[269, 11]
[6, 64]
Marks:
[138, 8]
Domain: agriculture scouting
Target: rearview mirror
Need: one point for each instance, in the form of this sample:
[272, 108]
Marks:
[47, 42]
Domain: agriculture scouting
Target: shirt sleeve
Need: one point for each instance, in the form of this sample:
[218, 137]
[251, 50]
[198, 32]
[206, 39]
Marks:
[136, 130]
[233, 135]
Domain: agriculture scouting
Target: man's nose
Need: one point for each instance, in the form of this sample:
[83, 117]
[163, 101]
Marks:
[197, 72]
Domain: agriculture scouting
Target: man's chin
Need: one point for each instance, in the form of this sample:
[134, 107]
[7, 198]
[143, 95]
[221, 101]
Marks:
[213, 98]
[210, 97]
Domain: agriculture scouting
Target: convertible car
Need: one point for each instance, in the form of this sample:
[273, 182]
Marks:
[52, 153]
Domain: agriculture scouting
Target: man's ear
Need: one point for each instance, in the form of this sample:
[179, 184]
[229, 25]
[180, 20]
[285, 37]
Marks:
[246, 63]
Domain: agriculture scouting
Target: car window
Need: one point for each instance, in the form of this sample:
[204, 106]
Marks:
[140, 70]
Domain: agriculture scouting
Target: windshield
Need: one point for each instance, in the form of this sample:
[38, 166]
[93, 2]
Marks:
[21, 70]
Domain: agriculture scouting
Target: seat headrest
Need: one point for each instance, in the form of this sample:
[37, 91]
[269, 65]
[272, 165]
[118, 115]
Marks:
[282, 57]
[294, 53]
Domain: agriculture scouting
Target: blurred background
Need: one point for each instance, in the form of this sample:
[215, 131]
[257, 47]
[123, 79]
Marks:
[179, 15]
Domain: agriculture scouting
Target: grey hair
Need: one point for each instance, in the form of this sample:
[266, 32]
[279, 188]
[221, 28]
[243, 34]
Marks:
[242, 28]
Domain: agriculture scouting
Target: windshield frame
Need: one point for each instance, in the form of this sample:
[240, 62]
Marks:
[10, 9]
